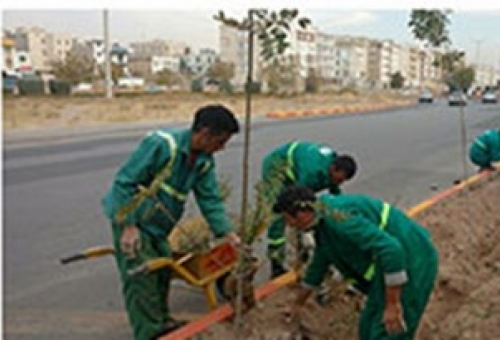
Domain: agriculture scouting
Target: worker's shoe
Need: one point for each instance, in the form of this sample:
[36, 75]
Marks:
[277, 269]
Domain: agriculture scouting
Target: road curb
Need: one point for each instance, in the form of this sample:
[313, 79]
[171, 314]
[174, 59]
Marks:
[333, 110]
[225, 311]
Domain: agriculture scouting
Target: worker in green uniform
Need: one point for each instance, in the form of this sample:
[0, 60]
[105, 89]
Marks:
[311, 164]
[485, 149]
[146, 200]
[389, 255]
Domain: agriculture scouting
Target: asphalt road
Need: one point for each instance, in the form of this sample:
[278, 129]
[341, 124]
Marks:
[52, 191]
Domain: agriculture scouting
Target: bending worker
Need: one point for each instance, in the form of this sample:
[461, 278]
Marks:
[313, 165]
[485, 149]
[146, 200]
[389, 255]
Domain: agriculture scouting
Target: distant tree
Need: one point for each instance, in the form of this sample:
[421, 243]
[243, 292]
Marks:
[430, 26]
[116, 72]
[74, 68]
[222, 71]
[450, 61]
[312, 81]
[168, 77]
[461, 79]
[397, 80]
[281, 76]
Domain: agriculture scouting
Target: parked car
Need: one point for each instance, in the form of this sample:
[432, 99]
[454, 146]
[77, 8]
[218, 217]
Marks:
[489, 97]
[426, 97]
[457, 98]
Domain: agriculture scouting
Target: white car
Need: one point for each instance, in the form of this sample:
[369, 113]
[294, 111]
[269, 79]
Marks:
[489, 98]
[457, 98]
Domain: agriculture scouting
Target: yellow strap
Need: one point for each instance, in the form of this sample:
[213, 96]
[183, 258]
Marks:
[156, 184]
[384, 217]
[277, 241]
[173, 146]
[289, 156]
[481, 144]
[173, 192]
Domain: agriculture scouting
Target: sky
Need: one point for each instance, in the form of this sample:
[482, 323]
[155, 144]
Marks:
[474, 26]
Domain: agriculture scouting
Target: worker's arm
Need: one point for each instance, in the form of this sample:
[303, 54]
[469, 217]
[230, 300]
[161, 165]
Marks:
[313, 277]
[393, 313]
[209, 199]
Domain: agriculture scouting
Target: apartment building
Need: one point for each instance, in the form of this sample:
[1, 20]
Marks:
[326, 49]
[234, 50]
[485, 75]
[199, 62]
[304, 49]
[42, 46]
[8, 53]
[159, 48]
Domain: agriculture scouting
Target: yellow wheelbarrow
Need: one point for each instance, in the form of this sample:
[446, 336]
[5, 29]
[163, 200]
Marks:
[206, 270]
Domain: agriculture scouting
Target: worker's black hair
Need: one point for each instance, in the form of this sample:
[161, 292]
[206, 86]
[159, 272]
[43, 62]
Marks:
[347, 164]
[293, 199]
[216, 118]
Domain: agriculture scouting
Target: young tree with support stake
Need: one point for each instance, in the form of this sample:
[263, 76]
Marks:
[272, 29]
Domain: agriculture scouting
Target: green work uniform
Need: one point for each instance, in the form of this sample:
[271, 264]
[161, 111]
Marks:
[375, 245]
[164, 153]
[485, 149]
[294, 163]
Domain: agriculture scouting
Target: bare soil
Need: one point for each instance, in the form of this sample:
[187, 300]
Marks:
[464, 306]
[50, 111]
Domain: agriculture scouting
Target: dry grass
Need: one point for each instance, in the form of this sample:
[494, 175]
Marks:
[45, 111]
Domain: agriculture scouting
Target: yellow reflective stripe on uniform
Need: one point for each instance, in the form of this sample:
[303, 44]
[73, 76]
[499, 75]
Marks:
[173, 192]
[480, 144]
[289, 157]
[173, 152]
[205, 167]
[171, 142]
[384, 217]
[276, 241]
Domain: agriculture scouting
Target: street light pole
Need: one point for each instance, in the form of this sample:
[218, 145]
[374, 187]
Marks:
[107, 63]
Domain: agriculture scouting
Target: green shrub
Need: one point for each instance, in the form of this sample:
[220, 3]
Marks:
[31, 86]
[59, 87]
[196, 85]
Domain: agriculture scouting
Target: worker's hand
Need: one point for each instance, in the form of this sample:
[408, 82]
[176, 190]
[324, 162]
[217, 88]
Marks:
[233, 238]
[393, 319]
[130, 242]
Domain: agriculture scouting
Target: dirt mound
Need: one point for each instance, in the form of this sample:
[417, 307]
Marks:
[465, 305]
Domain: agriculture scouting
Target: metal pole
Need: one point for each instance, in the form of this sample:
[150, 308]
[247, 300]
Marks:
[107, 63]
[245, 161]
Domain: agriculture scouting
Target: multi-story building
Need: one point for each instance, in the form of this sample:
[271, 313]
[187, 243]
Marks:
[234, 50]
[326, 56]
[159, 48]
[303, 46]
[160, 63]
[43, 47]
[8, 53]
[199, 63]
[485, 76]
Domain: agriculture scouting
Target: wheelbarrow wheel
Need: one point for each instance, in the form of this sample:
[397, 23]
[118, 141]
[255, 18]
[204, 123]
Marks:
[220, 285]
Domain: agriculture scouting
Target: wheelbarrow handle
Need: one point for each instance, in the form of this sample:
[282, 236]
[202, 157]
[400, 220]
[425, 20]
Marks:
[73, 258]
[88, 253]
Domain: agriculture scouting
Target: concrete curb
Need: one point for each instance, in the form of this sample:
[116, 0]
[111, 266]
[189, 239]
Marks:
[334, 110]
[225, 311]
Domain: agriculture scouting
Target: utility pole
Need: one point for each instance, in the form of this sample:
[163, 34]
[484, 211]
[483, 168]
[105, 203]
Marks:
[107, 63]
